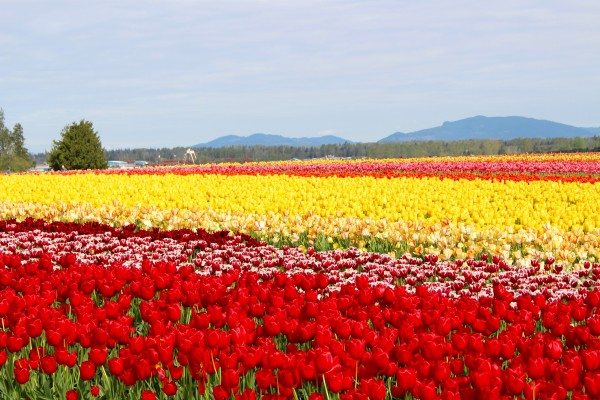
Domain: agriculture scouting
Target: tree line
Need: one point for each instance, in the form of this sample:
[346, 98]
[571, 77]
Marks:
[78, 148]
[357, 150]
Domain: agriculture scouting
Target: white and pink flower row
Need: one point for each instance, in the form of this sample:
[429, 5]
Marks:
[215, 253]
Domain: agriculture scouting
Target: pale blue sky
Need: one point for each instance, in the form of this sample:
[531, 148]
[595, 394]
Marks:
[168, 73]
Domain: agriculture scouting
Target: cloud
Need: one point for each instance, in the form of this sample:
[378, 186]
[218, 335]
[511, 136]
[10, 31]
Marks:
[296, 67]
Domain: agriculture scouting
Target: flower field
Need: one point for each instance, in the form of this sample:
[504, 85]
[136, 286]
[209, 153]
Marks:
[516, 207]
[452, 278]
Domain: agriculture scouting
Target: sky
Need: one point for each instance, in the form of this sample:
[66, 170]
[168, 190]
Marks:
[178, 73]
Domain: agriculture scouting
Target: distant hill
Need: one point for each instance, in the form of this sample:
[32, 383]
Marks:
[479, 127]
[263, 139]
[593, 131]
[502, 128]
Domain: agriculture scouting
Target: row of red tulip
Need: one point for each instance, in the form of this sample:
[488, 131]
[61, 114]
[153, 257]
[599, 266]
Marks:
[223, 315]
[569, 170]
[212, 253]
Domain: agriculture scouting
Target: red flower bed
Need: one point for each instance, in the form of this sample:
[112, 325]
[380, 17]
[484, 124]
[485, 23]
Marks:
[230, 316]
[518, 170]
[215, 253]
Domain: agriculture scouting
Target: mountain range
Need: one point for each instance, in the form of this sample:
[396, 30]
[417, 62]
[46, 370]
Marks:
[478, 127]
[263, 139]
[503, 128]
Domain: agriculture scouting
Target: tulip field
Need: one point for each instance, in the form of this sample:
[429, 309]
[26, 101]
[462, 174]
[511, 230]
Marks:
[433, 278]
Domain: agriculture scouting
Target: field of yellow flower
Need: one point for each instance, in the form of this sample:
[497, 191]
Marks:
[518, 207]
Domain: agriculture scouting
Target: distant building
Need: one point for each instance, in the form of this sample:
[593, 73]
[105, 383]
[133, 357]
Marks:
[41, 168]
[118, 164]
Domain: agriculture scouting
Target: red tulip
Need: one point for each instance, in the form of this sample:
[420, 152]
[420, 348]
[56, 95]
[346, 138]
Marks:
[591, 359]
[591, 382]
[72, 394]
[554, 349]
[406, 379]
[514, 382]
[95, 390]
[49, 365]
[169, 388]
[21, 375]
[98, 356]
[87, 370]
[148, 395]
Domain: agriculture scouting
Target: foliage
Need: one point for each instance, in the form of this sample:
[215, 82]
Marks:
[78, 148]
[13, 154]
[359, 150]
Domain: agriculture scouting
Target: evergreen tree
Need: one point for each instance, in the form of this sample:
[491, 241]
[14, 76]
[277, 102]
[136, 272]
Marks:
[4, 136]
[18, 142]
[78, 148]
[13, 154]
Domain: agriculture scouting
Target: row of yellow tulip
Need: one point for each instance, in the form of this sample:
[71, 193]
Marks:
[453, 218]
[446, 239]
